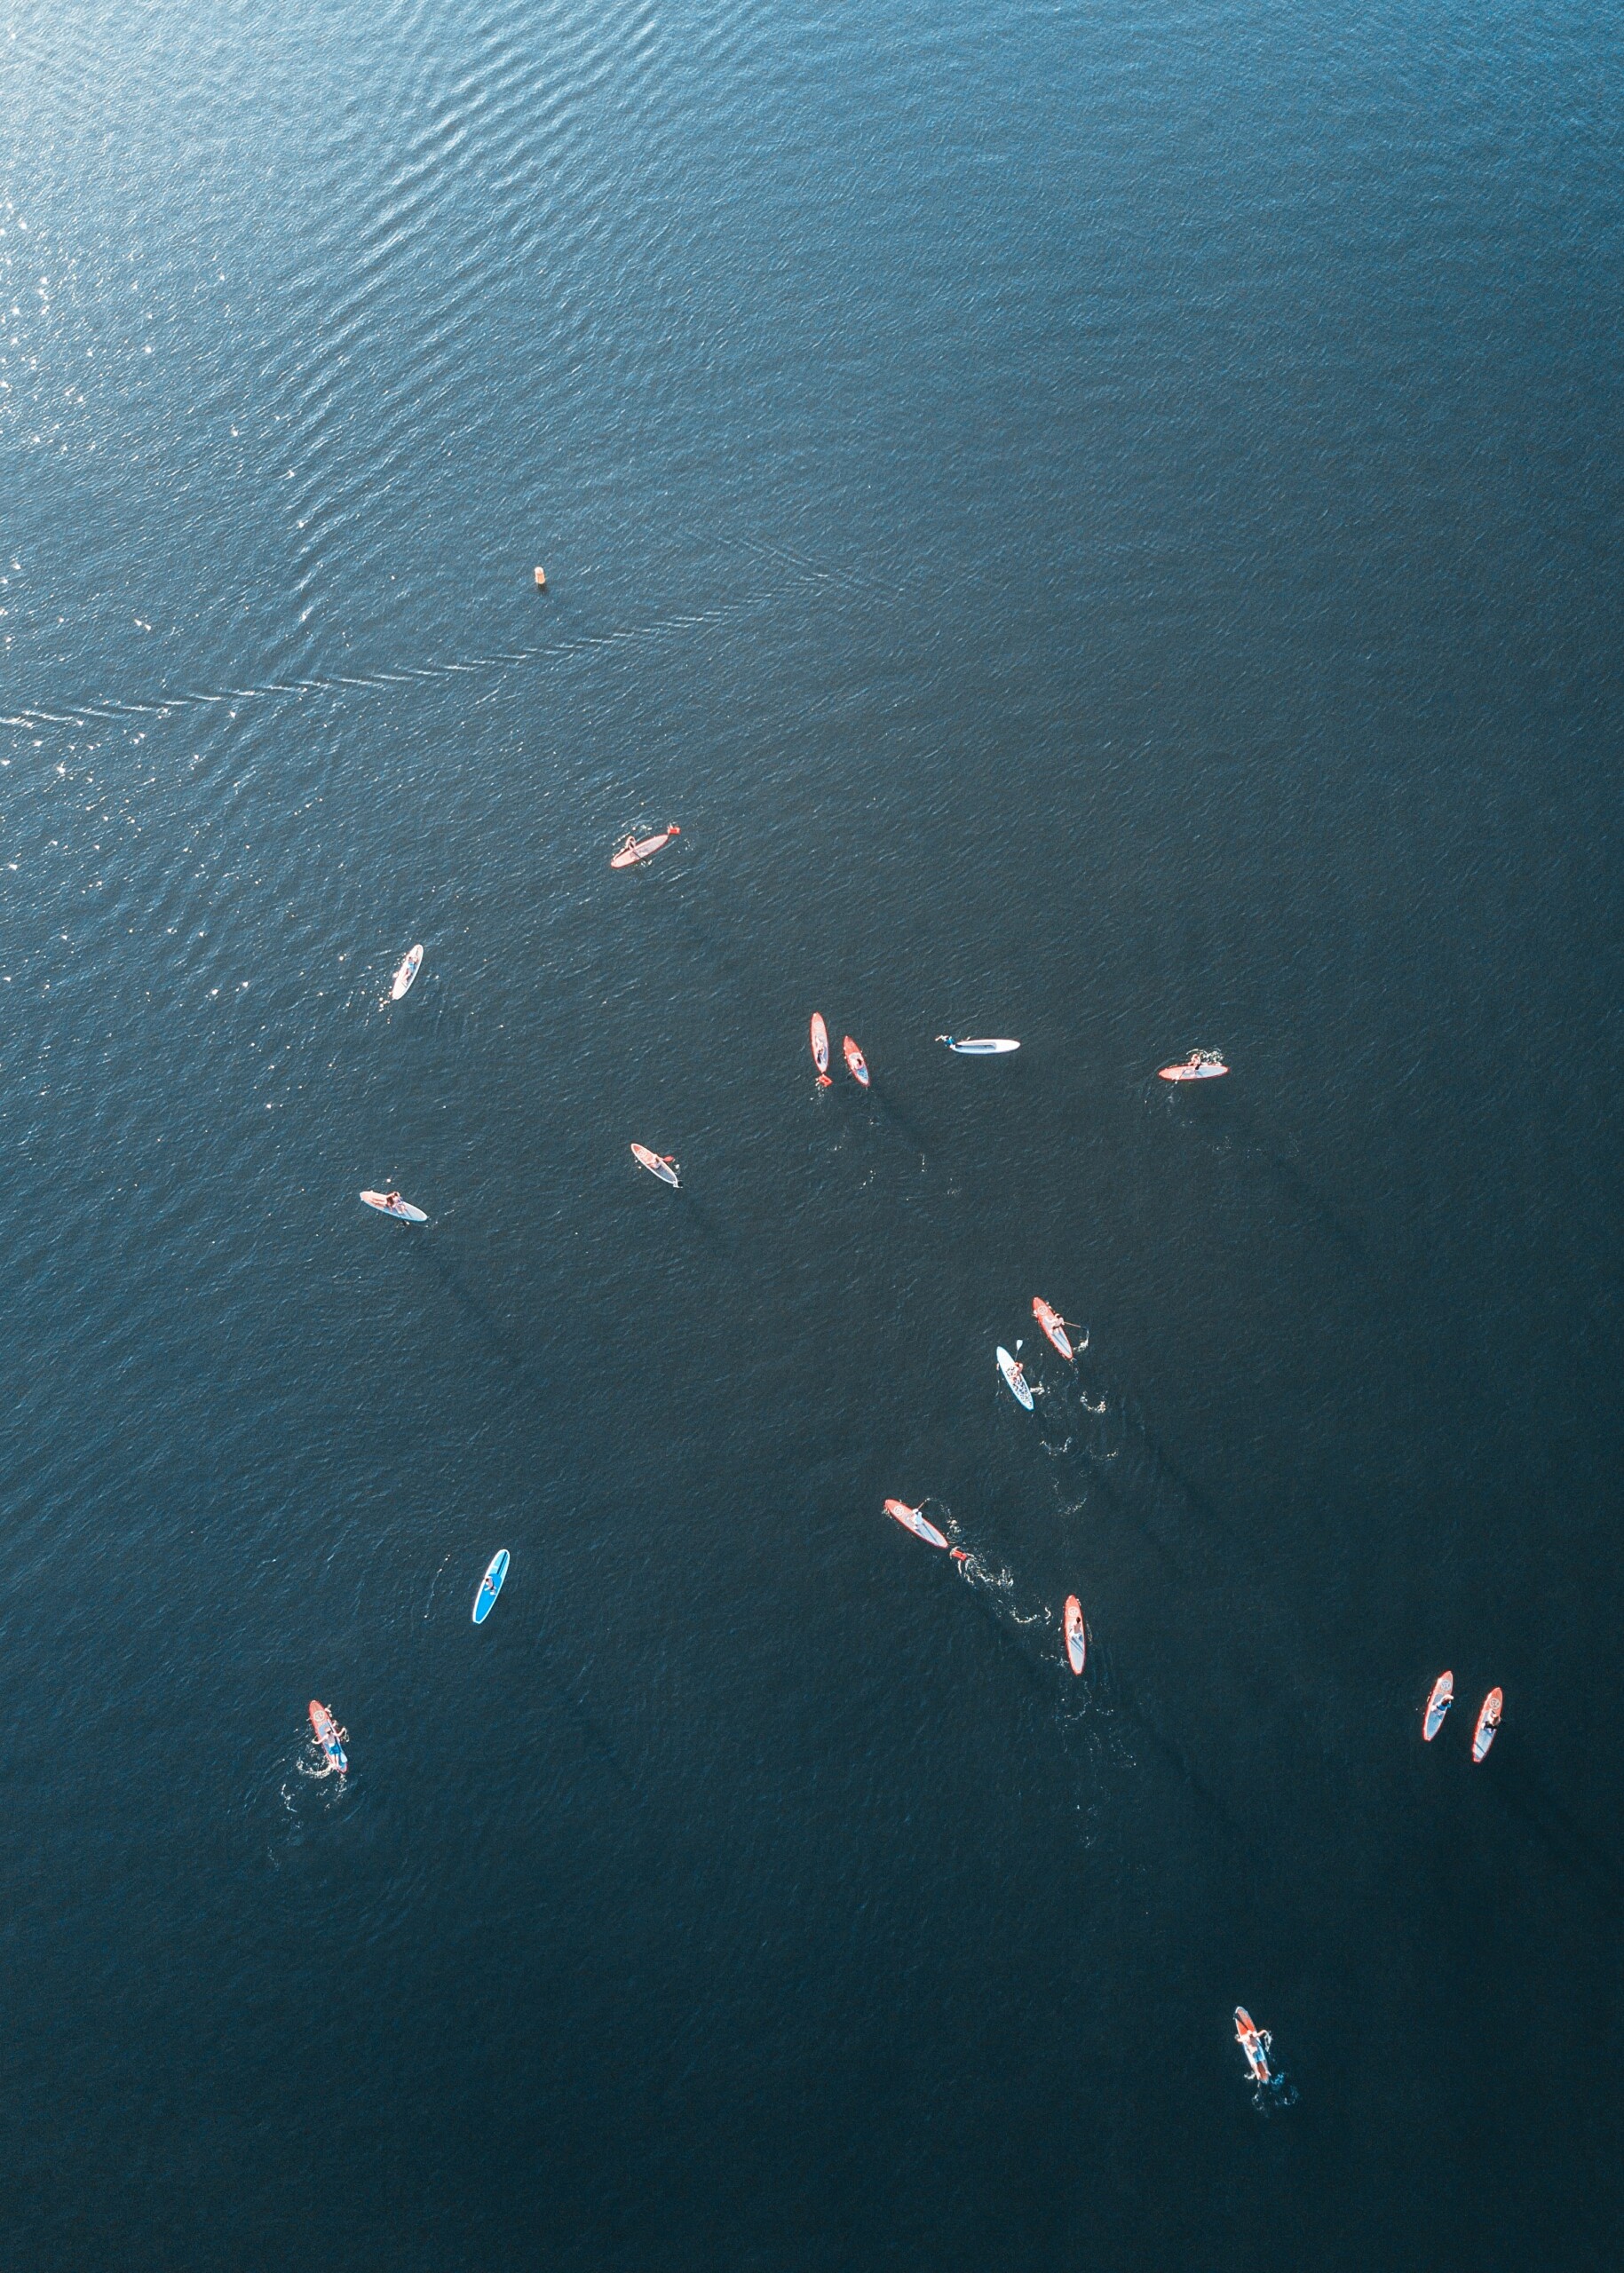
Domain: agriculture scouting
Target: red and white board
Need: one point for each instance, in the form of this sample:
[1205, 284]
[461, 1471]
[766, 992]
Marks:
[1438, 1704]
[1488, 1721]
[913, 1519]
[1254, 2041]
[1077, 1635]
[1052, 1323]
[1201, 1065]
[821, 1049]
[856, 1065]
[635, 850]
[657, 1165]
[330, 1736]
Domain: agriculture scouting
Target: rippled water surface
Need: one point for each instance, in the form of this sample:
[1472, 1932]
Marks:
[1101, 525]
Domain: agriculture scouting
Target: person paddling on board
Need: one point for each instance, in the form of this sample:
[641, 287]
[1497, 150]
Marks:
[391, 1199]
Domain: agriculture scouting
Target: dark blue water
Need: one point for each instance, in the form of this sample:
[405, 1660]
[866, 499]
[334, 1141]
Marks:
[1103, 527]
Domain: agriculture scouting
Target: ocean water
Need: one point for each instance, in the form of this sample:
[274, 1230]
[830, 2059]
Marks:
[1102, 524]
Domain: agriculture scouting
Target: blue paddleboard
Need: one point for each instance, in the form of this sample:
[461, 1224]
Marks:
[490, 1585]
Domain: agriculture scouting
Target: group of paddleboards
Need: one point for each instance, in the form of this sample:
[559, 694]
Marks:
[915, 1519]
[1438, 1706]
[1255, 2042]
[331, 1740]
[635, 850]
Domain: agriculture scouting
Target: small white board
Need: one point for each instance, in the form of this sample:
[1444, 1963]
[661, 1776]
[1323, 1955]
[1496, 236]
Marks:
[403, 977]
[1013, 1375]
[979, 1047]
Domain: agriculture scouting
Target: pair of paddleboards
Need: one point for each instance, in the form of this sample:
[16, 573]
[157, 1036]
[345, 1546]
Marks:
[915, 1519]
[1488, 1715]
[856, 1065]
[390, 1203]
[633, 850]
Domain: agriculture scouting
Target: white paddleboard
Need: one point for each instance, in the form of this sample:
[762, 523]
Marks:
[400, 1208]
[406, 974]
[1015, 1379]
[979, 1047]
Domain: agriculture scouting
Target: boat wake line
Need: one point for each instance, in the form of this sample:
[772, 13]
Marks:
[111, 710]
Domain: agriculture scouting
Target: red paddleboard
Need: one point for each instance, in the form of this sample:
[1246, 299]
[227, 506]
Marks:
[1077, 1635]
[330, 1736]
[1201, 1065]
[821, 1049]
[636, 850]
[1438, 1704]
[856, 1065]
[1488, 1720]
[1052, 1323]
[1254, 2041]
[911, 1519]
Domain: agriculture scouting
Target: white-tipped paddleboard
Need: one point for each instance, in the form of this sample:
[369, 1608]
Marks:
[490, 1585]
[1438, 1704]
[979, 1047]
[635, 850]
[1077, 1635]
[1015, 1379]
[403, 977]
[1488, 1721]
[402, 1209]
[914, 1519]
[657, 1165]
